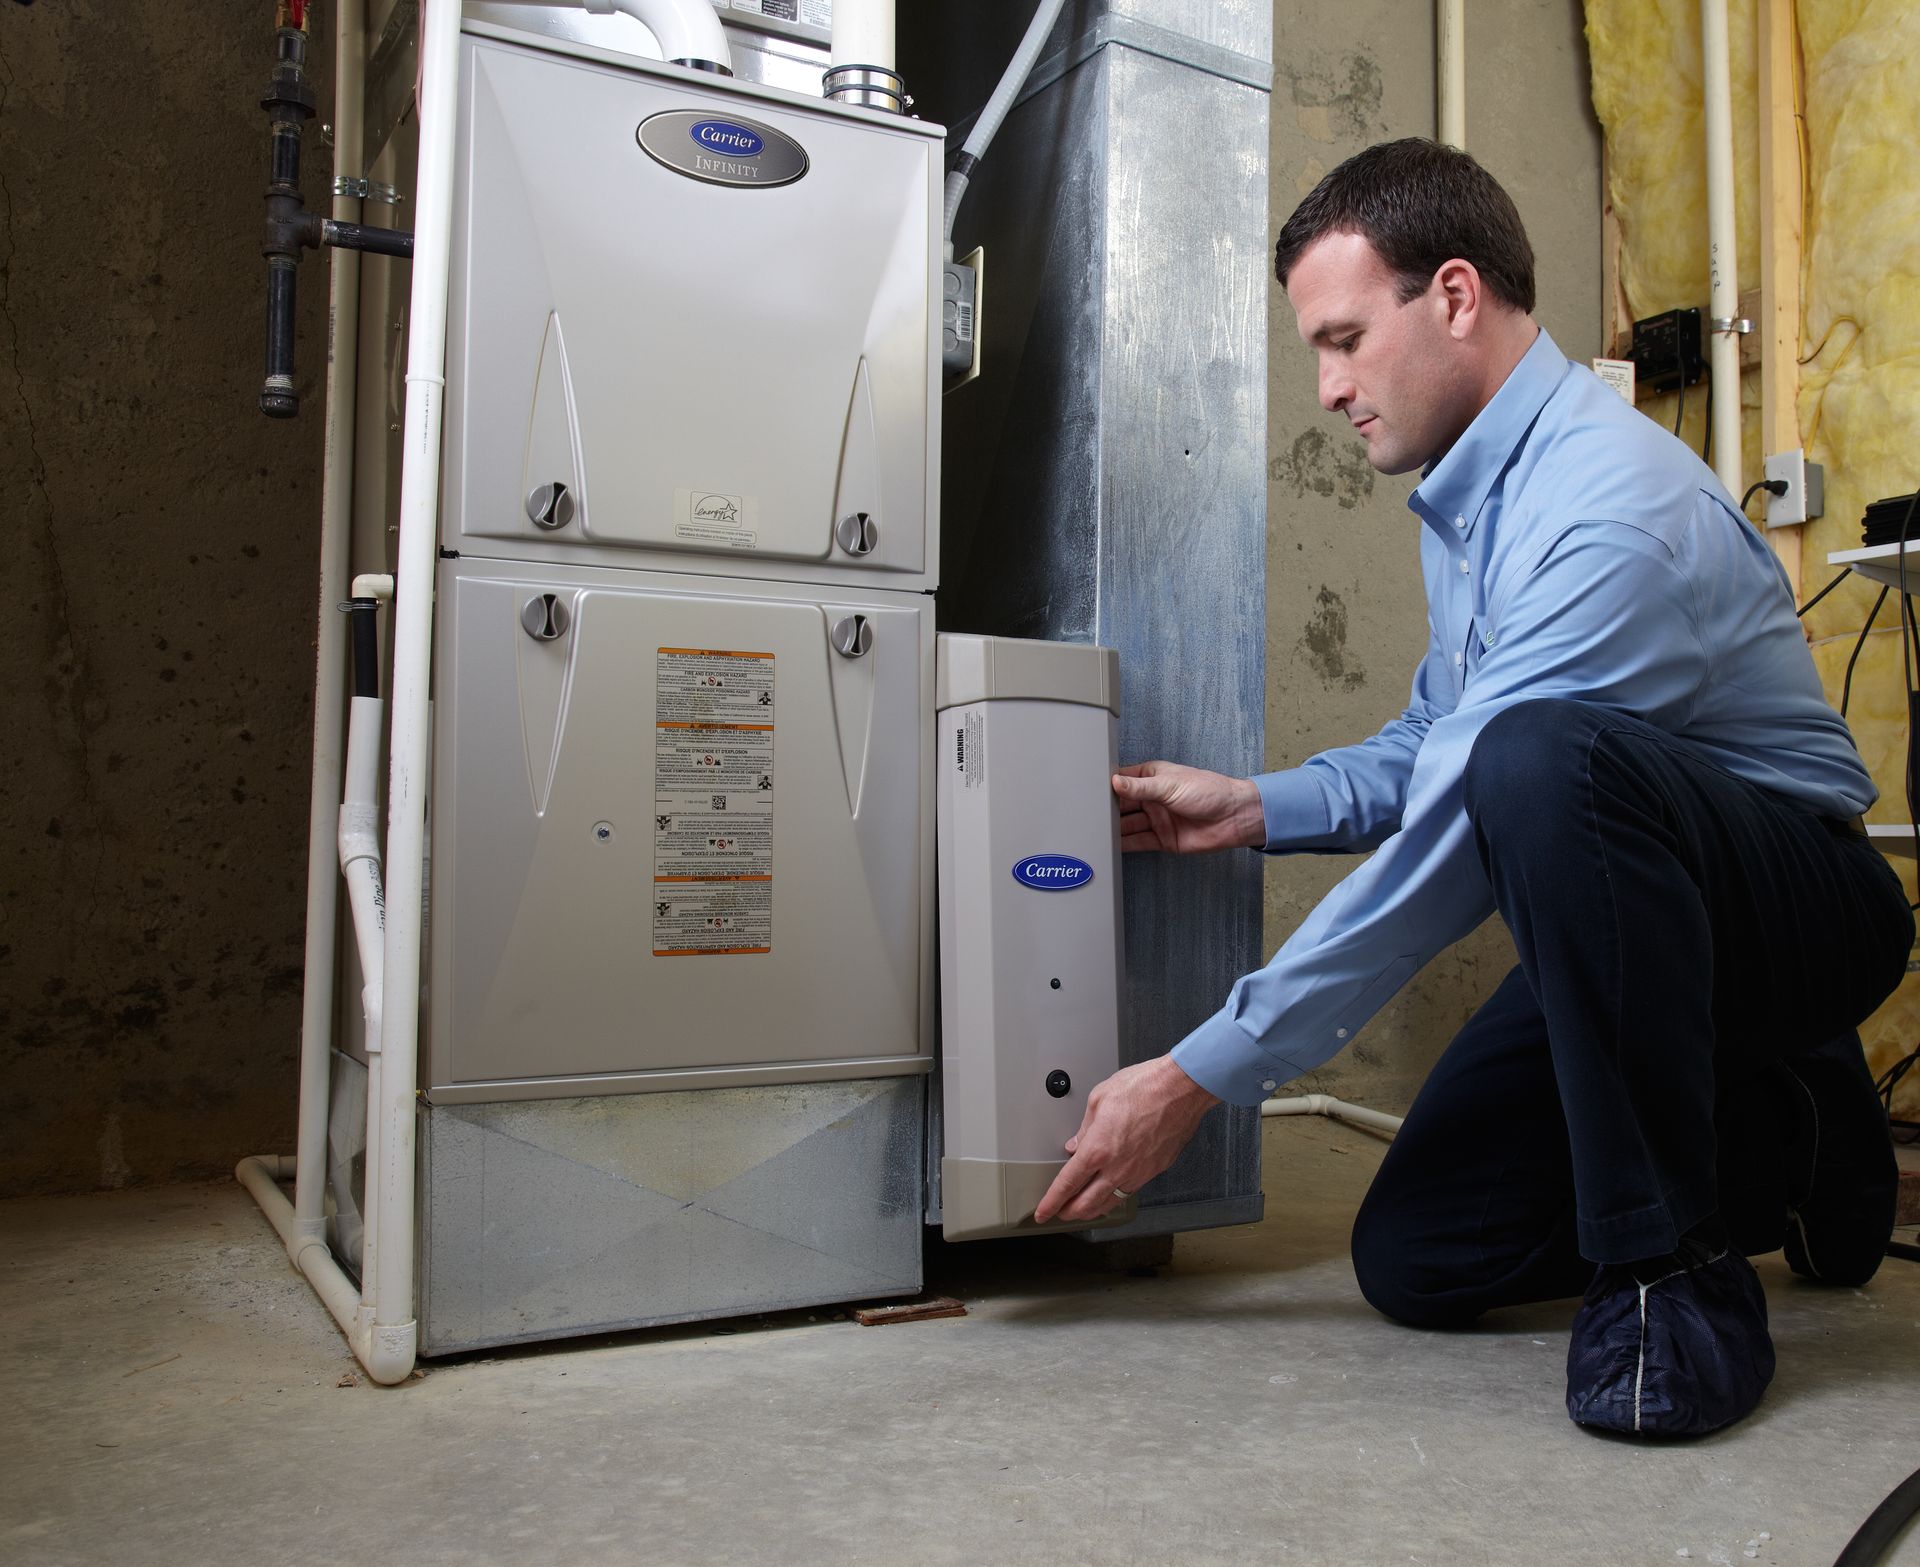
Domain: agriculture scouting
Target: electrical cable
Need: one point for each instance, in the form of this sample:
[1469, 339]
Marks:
[1909, 656]
[1889, 1080]
[1845, 572]
[1846, 686]
[1706, 441]
[1882, 1530]
[1680, 370]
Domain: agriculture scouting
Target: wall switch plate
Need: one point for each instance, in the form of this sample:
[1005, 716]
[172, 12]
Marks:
[1806, 494]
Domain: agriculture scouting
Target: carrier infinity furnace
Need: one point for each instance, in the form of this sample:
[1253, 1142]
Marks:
[678, 1028]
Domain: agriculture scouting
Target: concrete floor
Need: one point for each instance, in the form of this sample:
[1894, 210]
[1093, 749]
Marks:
[175, 1394]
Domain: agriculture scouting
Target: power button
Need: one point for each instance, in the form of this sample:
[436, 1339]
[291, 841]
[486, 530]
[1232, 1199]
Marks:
[1059, 1084]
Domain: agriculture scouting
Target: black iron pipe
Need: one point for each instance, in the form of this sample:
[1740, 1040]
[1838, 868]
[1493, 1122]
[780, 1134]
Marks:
[289, 104]
[361, 236]
[278, 400]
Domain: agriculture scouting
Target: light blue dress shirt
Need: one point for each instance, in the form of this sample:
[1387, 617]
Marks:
[1571, 548]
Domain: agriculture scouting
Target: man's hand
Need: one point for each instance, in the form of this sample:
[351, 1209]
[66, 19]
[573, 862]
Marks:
[1137, 1122]
[1184, 810]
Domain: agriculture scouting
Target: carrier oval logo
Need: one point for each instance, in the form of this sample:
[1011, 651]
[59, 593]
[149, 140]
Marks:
[727, 139]
[1052, 872]
[738, 153]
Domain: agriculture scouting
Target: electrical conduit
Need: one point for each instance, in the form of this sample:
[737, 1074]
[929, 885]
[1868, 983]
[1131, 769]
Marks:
[1451, 23]
[996, 109]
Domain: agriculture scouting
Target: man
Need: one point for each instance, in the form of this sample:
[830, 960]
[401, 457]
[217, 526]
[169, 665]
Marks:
[1618, 740]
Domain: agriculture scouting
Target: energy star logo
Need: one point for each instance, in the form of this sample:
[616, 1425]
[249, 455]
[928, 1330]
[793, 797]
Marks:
[1052, 872]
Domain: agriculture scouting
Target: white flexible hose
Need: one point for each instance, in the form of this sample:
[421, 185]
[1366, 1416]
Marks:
[1011, 81]
[1339, 1109]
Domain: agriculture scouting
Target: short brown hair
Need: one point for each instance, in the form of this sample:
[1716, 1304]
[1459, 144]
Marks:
[1420, 205]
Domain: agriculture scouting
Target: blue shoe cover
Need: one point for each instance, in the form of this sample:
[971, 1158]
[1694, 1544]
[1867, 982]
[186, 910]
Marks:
[1681, 1355]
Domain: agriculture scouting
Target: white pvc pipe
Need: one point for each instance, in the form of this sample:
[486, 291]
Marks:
[260, 1175]
[863, 33]
[387, 1305]
[359, 845]
[688, 31]
[1019, 68]
[329, 687]
[301, 1224]
[1452, 85]
[1724, 284]
[1339, 1109]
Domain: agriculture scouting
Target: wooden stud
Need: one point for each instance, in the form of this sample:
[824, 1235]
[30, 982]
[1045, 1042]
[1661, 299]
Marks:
[1616, 315]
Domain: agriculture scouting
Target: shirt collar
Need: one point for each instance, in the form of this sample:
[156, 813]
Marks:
[1452, 491]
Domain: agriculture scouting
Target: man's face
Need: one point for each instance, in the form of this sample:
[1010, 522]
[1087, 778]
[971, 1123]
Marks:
[1395, 370]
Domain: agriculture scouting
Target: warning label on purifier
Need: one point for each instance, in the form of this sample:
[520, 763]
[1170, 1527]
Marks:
[712, 802]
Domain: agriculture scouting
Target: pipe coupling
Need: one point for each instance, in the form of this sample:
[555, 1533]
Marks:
[867, 87]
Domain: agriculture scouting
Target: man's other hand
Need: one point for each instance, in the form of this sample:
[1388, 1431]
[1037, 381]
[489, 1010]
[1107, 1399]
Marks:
[1185, 810]
[1137, 1122]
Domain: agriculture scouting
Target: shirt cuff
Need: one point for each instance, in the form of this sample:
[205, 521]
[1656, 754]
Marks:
[1295, 808]
[1220, 1057]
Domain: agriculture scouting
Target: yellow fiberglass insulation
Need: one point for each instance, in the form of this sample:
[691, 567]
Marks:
[1860, 336]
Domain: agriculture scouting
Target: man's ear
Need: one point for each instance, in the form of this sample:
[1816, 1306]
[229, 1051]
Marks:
[1460, 291]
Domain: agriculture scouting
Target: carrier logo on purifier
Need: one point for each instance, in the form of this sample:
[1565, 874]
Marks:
[1052, 872]
[721, 152]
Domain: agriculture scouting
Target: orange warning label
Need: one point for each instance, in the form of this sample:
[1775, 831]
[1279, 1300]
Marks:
[713, 802]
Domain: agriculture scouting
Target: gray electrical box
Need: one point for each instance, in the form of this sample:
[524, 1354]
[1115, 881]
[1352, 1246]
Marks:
[1029, 843]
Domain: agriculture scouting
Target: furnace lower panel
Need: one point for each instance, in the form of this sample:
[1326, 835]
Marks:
[558, 1217]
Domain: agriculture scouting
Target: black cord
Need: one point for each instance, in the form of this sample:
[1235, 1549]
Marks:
[1679, 369]
[1846, 687]
[1845, 572]
[1889, 1080]
[1909, 656]
[1706, 441]
[1877, 1536]
[1771, 486]
[1903, 1251]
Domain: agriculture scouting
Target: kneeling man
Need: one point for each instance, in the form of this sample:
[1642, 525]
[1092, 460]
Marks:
[1617, 739]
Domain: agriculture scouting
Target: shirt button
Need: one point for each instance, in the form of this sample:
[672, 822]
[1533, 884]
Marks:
[1269, 1085]
[1459, 658]
[1459, 522]
[1464, 568]
[1339, 1033]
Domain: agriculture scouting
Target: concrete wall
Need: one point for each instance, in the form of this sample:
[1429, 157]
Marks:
[1346, 619]
[159, 542]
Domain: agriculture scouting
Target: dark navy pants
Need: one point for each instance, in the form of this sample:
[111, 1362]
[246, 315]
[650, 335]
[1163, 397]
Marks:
[1681, 933]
